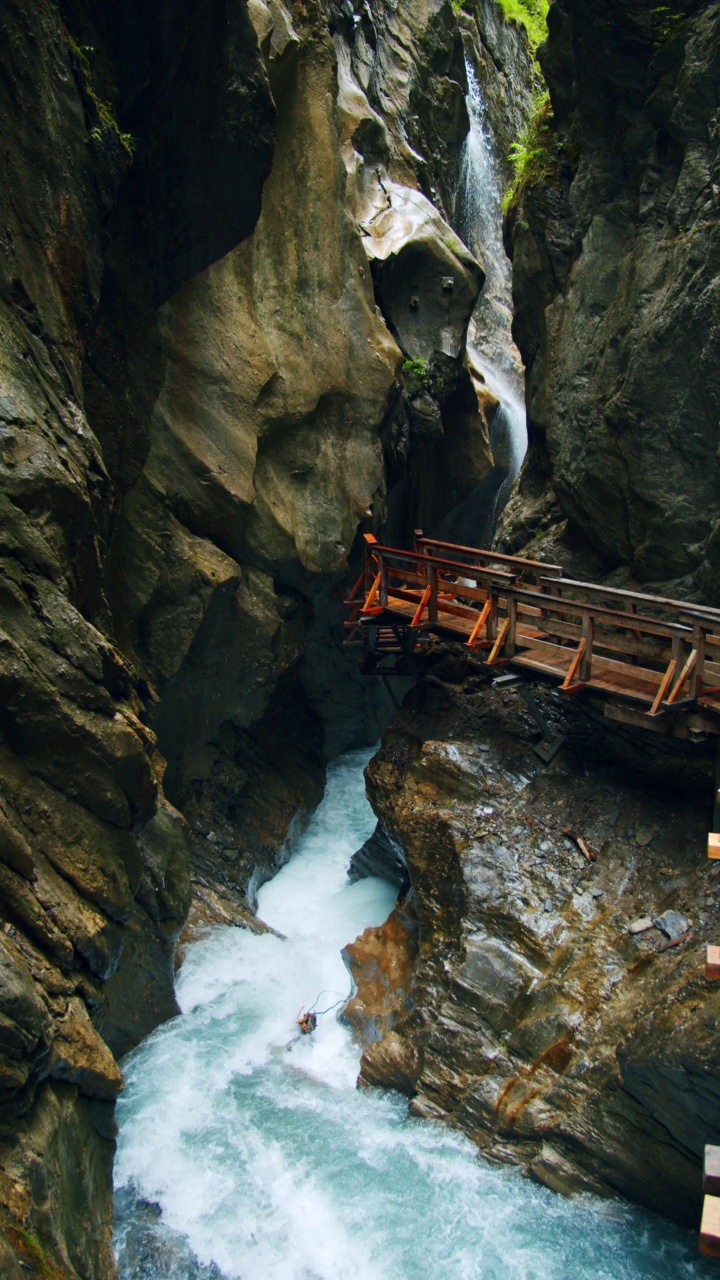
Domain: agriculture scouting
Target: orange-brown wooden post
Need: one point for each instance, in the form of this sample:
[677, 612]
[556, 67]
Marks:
[512, 629]
[433, 602]
[588, 632]
[699, 646]
[492, 616]
[383, 581]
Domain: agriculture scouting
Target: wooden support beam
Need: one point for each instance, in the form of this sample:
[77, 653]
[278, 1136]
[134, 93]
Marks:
[713, 845]
[686, 671]
[573, 669]
[512, 629]
[699, 635]
[433, 602]
[712, 970]
[664, 686]
[421, 607]
[383, 582]
[482, 619]
[588, 632]
[711, 1171]
[710, 1227]
[497, 648]
[372, 593]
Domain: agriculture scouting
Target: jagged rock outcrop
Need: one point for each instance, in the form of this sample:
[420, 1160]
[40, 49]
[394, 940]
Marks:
[199, 406]
[616, 257]
[548, 1016]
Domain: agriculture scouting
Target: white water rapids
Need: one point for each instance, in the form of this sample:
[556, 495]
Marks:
[246, 1151]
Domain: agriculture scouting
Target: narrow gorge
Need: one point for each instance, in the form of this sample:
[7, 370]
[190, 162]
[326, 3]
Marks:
[279, 277]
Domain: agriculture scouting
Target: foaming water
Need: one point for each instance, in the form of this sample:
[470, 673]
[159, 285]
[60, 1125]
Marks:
[246, 1151]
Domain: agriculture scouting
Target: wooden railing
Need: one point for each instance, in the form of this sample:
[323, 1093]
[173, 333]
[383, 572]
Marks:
[662, 652]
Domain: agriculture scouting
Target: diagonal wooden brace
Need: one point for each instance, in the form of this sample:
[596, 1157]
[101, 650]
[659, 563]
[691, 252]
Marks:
[569, 680]
[372, 593]
[664, 686]
[499, 644]
[482, 619]
[422, 606]
[686, 671]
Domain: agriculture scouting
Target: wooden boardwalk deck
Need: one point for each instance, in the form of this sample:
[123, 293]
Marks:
[655, 662]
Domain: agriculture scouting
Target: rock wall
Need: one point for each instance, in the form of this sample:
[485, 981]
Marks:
[225, 232]
[615, 250]
[557, 1011]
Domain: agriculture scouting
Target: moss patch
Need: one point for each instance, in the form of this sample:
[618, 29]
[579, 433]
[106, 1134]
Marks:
[534, 155]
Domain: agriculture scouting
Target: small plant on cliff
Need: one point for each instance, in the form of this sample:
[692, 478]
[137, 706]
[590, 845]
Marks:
[107, 127]
[531, 14]
[535, 153]
[417, 371]
[667, 20]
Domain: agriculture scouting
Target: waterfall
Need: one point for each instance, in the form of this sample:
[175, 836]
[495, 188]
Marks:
[491, 350]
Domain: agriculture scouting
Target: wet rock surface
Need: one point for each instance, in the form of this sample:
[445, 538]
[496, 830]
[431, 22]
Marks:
[540, 1018]
[615, 261]
[198, 402]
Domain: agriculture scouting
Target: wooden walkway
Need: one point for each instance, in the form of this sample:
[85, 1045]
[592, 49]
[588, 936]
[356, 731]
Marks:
[654, 662]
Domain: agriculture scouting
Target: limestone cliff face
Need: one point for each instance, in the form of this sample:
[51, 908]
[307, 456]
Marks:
[547, 1015]
[225, 231]
[616, 258]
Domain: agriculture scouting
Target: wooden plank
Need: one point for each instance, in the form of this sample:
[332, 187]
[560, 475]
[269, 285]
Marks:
[482, 619]
[501, 557]
[712, 970]
[573, 668]
[455, 567]
[624, 714]
[497, 647]
[710, 1227]
[664, 686]
[631, 621]
[682, 608]
[711, 1164]
[612, 641]
[713, 845]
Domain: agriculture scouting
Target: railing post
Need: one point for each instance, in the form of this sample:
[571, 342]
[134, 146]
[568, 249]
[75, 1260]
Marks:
[699, 645]
[383, 581]
[417, 542]
[492, 616]
[588, 631]
[512, 615]
[433, 602]
[370, 542]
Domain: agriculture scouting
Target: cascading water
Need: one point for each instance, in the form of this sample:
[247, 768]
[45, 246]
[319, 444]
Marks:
[491, 350]
[247, 1153]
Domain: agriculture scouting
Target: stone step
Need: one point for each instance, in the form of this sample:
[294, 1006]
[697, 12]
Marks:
[712, 966]
[711, 1171]
[710, 1227]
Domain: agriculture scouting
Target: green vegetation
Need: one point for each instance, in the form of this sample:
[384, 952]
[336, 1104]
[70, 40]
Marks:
[108, 128]
[532, 14]
[32, 1255]
[667, 20]
[418, 370]
[535, 153]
